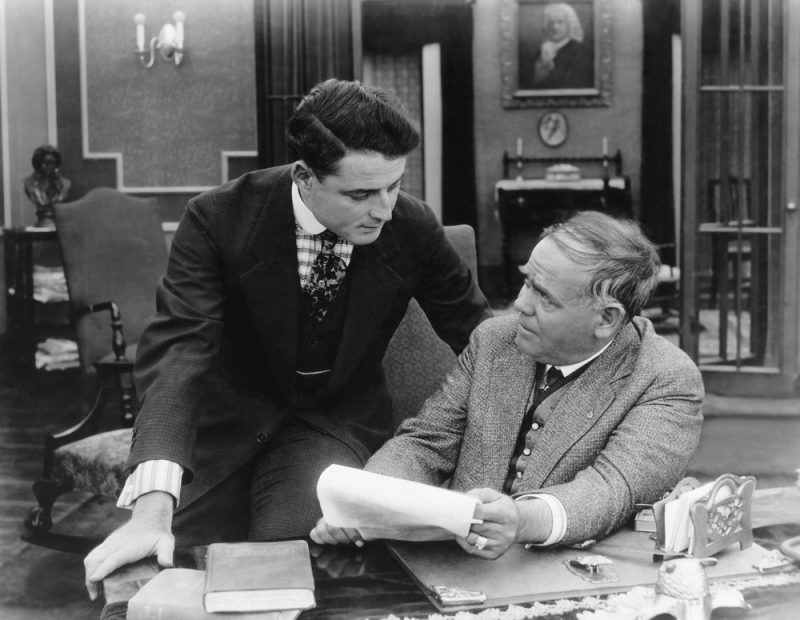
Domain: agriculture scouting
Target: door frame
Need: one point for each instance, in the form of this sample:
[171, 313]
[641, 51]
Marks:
[749, 381]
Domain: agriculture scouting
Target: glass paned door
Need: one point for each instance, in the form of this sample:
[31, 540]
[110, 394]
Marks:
[740, 234]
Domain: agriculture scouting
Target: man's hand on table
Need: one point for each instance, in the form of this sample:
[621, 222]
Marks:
[148, 533]
[498, 517]
[325, 534]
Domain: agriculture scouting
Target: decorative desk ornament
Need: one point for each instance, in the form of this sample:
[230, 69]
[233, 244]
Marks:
[452, 596]
[592, 568]
[682, 591]
[701, 520]
[774, 561]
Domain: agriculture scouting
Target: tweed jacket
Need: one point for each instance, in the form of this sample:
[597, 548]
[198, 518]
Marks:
[620, 434]
[215, 368]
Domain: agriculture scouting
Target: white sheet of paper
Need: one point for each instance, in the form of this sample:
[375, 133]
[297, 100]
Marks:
[384, 507]
[678, 525]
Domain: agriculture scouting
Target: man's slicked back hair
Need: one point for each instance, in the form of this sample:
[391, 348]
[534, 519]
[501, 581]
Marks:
[337, 116]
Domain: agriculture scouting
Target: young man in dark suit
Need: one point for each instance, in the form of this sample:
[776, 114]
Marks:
[263, 363]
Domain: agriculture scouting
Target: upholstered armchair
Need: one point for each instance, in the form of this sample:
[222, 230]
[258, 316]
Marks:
[114, 251]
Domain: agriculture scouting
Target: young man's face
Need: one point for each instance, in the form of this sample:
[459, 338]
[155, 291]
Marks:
[357, 200]
[557, 324]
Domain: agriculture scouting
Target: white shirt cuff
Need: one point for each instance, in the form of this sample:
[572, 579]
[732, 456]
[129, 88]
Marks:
[559, 515]
[158, 475]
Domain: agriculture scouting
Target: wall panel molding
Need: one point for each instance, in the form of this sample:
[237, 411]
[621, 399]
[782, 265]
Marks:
[167, 129]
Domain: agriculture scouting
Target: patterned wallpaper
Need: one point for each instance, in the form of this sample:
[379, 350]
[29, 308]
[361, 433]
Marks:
[402, 74]
[170, 123]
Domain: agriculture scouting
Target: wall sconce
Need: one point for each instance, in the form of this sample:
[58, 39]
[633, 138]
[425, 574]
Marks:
[169, 40]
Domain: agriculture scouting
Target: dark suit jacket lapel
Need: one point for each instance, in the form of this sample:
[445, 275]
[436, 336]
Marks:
[372, 284]
[586, 399]
[271, 286]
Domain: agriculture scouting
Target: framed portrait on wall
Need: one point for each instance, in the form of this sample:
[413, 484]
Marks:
[555, 53]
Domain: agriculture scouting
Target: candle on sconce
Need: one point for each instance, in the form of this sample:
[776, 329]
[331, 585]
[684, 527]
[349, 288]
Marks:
[519, 147]
[179, 18]
[605, 146]
[139, 19]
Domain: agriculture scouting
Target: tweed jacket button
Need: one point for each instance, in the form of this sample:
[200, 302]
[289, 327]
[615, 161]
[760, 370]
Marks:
[535, 426]
[526, 451]
[261, 437]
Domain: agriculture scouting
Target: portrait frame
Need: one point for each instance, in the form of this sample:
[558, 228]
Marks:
[521, 36]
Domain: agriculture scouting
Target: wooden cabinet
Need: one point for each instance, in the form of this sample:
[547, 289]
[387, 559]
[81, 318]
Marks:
[527, 206]
[29, 320]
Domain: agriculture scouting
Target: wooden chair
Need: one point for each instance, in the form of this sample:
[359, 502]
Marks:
[730, 206]
[114, 251]
[415, 362]
[665, 302]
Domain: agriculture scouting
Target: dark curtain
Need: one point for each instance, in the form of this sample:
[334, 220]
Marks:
[661, 21]
[301, 42]
[402, 26]
[298, 44]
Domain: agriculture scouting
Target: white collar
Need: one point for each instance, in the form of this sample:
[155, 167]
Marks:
[303, 215]
[553, 47]
[560, 44]
[570, 368]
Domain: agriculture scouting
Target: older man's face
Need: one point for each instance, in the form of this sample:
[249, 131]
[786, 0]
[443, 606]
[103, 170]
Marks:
[557, 323]
[557, 25]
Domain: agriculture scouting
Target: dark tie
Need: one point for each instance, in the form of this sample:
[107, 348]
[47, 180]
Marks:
[545, 382]
[553, 375]
[326, 274]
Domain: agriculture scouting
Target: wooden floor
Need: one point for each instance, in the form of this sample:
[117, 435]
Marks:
[30, 406]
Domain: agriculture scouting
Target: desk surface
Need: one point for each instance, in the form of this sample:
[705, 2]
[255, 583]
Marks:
[367, 583]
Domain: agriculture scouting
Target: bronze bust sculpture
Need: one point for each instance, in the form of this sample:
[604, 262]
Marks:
[46, 187]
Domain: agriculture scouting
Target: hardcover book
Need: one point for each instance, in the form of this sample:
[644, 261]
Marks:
[177, 594]
[258, 576]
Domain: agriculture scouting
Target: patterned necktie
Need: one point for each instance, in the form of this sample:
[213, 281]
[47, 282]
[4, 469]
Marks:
[326, 274]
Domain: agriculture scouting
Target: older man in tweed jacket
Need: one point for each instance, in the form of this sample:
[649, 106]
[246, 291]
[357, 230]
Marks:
[558, 459]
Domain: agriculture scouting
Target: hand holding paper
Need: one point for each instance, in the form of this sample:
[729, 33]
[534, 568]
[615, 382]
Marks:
[384, 507]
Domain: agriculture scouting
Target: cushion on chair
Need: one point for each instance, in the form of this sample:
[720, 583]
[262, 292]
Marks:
[96, 463]
[417, 361]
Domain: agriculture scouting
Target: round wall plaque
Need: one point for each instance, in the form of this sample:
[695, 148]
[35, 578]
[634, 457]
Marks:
[553, 128]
